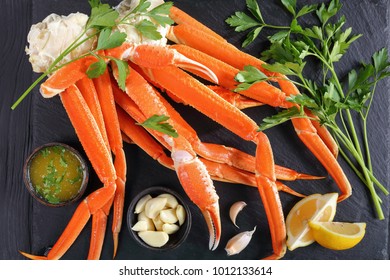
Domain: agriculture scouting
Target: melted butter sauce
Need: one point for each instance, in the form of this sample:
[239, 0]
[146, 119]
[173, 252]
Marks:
[56, 174]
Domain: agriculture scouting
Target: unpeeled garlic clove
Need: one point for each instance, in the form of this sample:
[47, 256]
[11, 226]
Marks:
[171, 200]
[180, 214]
[239, 242]
[154, 206]
[235, 209]
[154, 238]
[140, 206]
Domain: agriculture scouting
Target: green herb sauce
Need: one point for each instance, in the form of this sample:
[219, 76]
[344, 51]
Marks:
[56, 174]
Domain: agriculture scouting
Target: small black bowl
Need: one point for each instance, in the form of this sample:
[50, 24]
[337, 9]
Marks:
[175, 239]
[36, 194]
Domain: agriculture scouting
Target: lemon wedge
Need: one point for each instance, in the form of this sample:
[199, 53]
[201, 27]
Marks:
[336, 235]
[315, 207]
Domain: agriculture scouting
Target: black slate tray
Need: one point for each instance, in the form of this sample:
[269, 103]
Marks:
[30, 226]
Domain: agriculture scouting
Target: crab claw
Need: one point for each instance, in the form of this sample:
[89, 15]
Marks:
[140, 55]
[213, 221]
[33, 257]
[199, 187]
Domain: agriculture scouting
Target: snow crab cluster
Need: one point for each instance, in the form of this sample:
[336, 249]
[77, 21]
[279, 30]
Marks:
[104, 114]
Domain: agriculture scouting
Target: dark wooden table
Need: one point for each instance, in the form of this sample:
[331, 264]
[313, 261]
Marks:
[27, 225]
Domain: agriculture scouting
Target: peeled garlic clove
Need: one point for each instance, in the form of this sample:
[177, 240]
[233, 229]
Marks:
[158, 223]
[154, 206]
[168, 216]
[149, 223]
[140, 206]
[180, 214]
[142, 216]
[235, 209]
[170, 228]
[140, 226]
[238, 242]
[154, 238]
[171, 200]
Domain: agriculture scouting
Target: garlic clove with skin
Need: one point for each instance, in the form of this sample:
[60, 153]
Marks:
[235, 209]
[239, 242]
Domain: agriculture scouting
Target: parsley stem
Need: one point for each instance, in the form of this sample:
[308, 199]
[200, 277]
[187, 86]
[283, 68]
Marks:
[366, 146]
[376, 199]
[346, 130]
[368, 182]
[275, 26]
[355, 148]
[27, 91]
[350, 141]
[352, 130]
[365, 136]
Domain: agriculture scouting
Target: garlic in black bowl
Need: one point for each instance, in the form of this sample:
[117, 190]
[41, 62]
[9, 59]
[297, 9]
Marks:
[159, 219]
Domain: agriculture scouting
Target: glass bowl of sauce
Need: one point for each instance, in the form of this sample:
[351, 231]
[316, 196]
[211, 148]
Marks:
[55, 174]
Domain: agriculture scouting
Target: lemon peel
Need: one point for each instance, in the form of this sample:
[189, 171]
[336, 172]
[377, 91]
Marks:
[337, 235]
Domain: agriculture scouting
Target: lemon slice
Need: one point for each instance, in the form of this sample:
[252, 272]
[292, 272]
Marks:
[315, 207]
[337, 236]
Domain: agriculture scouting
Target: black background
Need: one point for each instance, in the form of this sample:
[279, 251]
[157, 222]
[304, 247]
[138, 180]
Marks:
[29, 226]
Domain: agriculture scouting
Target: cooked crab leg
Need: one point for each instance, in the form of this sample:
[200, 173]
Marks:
[166, 56]
[141, 138]
[217, 48]
[206, 101]
[259, 91]
[99, 219]
[181, 17]
[93, 143]
[325, 135]
[218, 171]
[191, 172]
[212, 152]
[237, 100]
[65, 78]
[106, 100]
[228, 155]
[98, 231]
[308, 135]
[88, 91]
[76, 72]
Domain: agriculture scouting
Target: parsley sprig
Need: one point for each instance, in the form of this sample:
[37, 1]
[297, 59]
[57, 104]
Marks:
[339, 103]
[160, 123]
[101, 24]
